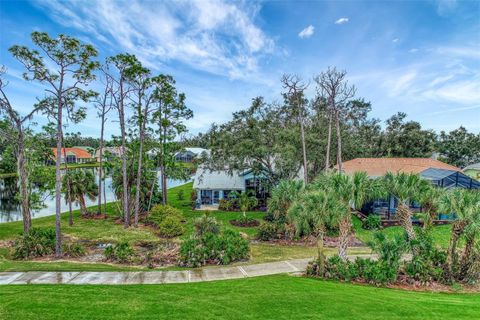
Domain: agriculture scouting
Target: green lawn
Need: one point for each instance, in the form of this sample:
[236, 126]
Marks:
[273, 297]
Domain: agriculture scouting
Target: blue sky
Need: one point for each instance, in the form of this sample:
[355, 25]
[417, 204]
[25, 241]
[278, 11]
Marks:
[419, 57]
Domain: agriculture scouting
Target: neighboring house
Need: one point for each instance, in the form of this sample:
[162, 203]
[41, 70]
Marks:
[473, 171]
[212, 186]
[191, 154]
[108, 153]
[73, 155]
[438, 173]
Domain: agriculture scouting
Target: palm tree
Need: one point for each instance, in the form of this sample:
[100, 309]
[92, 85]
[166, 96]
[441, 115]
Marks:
[406, 188]
[246, 202]
[465, 205]
[282, 197]
[311, 213]
[353, 191]
[429, 199]
[82, 184]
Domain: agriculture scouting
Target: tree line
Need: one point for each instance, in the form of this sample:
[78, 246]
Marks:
[67, 68]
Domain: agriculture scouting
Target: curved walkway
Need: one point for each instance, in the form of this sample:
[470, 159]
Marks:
[157, 277]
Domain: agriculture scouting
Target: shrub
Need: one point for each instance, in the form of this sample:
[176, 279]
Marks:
[226, 204]
[171, 226]
[222, 248]
[35, 243]
[372, 222]
[159, 212]
[121, 252]
[180, 195]
[73, 249]
[268, 231]
[206, 224]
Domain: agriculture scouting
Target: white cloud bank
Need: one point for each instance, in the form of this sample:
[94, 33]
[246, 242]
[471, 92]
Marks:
[215, 36]
[341, 21]
[307, 32]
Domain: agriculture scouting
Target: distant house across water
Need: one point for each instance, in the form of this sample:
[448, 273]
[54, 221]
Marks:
[191, 154]
[473, 171]
[108, 153]
[73, 155]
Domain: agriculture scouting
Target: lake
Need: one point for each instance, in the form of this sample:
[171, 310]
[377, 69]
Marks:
[10, 210]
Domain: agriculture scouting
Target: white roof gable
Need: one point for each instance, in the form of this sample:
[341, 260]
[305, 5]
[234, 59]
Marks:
[207, 179]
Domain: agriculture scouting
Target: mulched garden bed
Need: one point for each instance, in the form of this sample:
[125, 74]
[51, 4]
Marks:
[245, 224]
[329, 242]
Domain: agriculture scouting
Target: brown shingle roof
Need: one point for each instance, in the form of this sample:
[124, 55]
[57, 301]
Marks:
[79, 153]
[376, 167]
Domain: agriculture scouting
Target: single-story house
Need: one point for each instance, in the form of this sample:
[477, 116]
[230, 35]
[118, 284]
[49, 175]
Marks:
[190, 154]
[73, 155]
[211, 186]
[473, 171]
[109, 153]
[438, 173]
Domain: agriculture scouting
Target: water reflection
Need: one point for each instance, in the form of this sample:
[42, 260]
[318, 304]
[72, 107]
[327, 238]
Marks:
[10, 207]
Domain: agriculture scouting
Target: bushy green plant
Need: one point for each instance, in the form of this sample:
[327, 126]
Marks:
[121, 252]
[222, 248]
[180, 195]
[226, 204]
[206, 224]
[268, 231]
[159, 212]
[73, 249]
[171, 226]
[372, 222]
[35, 243]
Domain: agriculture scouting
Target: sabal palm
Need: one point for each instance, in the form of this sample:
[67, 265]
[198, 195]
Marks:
[282, 197]
[353, 191]
[465, 205]
[312, 212]
[429, 198]
[82, 184]
[406, 188]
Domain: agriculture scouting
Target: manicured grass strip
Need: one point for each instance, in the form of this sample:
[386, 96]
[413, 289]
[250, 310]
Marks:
[273, 297]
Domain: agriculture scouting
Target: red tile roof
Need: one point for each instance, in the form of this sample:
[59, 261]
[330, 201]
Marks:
[376, 167]
[79, 153]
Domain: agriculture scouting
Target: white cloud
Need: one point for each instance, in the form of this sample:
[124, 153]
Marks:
[307, 32]
[216, 36]
[395, 40]
[341, 21]
[413, 50]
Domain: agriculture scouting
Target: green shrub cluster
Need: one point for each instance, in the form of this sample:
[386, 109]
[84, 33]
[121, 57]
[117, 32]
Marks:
[168, 220]
[35, 243]
[121, 252]
[227, 205]
[222, 248]
[206, 224]
[73, 249]
[372, 222]
[269, 231]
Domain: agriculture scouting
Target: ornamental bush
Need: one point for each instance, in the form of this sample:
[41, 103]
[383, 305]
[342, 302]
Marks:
[121, 252]
[73, 249]
[206, 224]
[159, 212]
[210, 248]
[35, 243]
[372, 222]
[268, 231]
[171, 226]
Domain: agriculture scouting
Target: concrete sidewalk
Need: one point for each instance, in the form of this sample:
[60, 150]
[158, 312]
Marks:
[157, 277]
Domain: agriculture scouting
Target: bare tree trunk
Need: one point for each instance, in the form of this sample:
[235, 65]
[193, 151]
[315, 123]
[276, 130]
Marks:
[321, 255]
[100, 163]
[344, 234]
[339, 143]
[329, 141]
[83, 206]
[304, 151]
[23, 183]
[405, 216]
[467, 254]
[70, 211]
[139, 169]
[151, 191]
[163, 169]
[121, 112]
[104, 199]
[58, 180]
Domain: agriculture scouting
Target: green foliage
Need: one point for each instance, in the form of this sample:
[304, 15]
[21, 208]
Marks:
[121, 252]
[223, 248]
[372, 222]
[226, 204]
[206, 224]
[171, 226]
[459, 147]
[159, 212]
[282, 197]
[269, 231]
[35, 243]
[73, 249]
[180, 195]
[79, 183]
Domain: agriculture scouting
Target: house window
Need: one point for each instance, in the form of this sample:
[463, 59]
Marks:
[71, 159]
